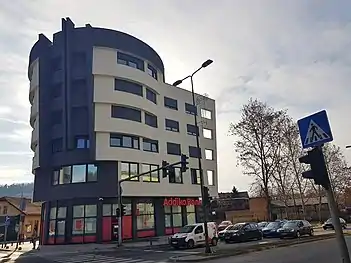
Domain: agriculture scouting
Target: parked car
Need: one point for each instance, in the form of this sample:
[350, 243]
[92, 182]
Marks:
[329, 224]
[221, 234]
[262, 225]
[242, 232]
[193, 235]
[271, 229]
[223, 225]
[295, 228]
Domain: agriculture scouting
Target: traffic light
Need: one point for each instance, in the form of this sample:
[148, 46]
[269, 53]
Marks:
[118, 212]
[124, 210]
[184, 163]
[318, 172]
[206, 196]
[164, 169]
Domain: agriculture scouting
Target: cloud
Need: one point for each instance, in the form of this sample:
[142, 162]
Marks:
[292, 54]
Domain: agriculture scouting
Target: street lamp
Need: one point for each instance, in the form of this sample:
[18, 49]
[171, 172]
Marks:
[204, 208]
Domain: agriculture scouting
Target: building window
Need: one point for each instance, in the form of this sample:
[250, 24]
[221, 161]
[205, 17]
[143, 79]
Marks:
[171, 103]
[194, 152]
[190, 109]
[195, 176]
[150, 177]
[145, 216]
[56, 117]
[75, 174]
[84, 220]
[172, 125]
[150, 145]
[151, 120]
[152, 71]
[130, 61]
[125, 113]
[4, 210]
[128, 170]
[207, 133]
[173, 148]
[175, 176]
[210, 177]
[129, 87]
[57, 145]
[151, 96]
[173, 216]
[57, 221]
[207, 114]
[124, 141]
[82, 142]
[191, 129]
[208, 154]
[190, 214]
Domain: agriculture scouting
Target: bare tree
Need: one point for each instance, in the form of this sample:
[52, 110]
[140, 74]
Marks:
[337, 169]
[258, 142]
[291, 151]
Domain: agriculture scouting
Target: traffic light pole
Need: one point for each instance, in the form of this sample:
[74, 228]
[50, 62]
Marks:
[319, 173]
[204, 205]
[334, 211]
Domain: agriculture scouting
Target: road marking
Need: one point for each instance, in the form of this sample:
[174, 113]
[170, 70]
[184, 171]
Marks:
[93, 258]
[263, 242]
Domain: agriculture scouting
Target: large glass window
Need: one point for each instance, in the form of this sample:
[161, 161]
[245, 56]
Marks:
[195, 176]
[80, 173]
[173, 216]
[175, 175]
[145, 216]
[190, 214]
[84, 219]
[124, 141]
[129, 170]
[57, 221]
[152, 176]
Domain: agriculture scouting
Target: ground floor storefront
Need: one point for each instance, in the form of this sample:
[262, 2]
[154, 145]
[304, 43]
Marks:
[94, 219]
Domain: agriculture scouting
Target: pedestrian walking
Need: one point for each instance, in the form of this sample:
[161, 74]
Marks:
[34, 238]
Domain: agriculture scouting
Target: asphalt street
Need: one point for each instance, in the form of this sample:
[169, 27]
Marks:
[132, 255]
[325, 251]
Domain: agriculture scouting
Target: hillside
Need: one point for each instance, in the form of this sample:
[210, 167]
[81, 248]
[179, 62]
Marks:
[16, 190]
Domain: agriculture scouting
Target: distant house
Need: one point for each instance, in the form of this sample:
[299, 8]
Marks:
[10, 207]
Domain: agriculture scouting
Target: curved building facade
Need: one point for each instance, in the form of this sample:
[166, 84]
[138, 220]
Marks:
[102, 111]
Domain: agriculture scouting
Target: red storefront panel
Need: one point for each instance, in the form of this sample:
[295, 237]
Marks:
[106, 229]
[171, 231]
[127, 231]
[146, 233]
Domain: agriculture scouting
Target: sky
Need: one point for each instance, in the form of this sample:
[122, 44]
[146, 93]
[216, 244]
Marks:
[294, 55]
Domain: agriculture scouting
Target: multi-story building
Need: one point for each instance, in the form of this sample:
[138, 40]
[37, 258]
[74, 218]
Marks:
[101, 111]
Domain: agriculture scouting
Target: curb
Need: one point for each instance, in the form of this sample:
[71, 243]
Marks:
[253, 248]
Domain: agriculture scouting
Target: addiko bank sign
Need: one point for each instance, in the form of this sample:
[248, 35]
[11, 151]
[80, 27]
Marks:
[180, 201]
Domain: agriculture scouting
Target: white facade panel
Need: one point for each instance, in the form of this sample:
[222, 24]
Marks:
[34, 111]
[105, 70]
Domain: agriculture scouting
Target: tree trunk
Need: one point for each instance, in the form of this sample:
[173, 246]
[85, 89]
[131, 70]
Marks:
[320, 204]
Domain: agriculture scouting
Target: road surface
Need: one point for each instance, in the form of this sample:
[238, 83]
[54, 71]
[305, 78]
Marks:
[324, 251]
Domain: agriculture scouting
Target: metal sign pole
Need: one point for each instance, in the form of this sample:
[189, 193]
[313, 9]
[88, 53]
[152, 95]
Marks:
[5, 235]
[334, 211]
[119, 233]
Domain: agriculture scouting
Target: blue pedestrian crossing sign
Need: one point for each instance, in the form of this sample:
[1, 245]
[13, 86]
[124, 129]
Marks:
[315, 130]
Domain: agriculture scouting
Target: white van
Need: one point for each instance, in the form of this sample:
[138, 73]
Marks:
[194, 235]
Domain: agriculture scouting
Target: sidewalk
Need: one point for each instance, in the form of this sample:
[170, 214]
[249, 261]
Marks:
[76, 248]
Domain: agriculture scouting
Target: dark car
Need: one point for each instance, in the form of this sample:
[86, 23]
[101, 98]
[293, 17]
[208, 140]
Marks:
[242, 232]
[262, 225]
[271, 229]
[223, 225]
[222, 233]
[329, 224]
[295, 228]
